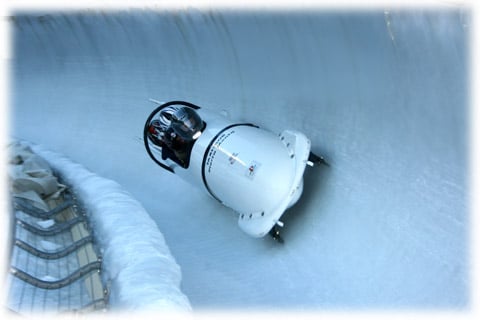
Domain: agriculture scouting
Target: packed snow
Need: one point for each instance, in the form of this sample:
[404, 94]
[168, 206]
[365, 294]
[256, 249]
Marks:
[139, 270]
[382, 95]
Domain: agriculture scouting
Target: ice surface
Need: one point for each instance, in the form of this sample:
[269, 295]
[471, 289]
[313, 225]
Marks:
[382, 95]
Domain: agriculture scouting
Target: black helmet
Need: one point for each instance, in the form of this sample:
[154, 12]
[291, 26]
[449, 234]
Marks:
[185, 122]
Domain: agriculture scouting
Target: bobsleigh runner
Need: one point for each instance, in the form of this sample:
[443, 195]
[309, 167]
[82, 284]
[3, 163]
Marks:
[254, 172]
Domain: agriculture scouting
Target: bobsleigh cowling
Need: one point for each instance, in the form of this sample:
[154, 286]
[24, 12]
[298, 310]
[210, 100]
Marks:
[255, 172]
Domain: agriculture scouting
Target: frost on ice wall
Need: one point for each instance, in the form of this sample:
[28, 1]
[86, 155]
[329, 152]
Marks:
[143, 274]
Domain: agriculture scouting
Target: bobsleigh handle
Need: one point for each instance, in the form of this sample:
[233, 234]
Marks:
[147, 124]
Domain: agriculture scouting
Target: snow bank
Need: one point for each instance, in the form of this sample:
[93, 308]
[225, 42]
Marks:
[138, 265]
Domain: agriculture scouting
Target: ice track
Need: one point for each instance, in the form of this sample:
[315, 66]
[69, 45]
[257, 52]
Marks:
[382, 94]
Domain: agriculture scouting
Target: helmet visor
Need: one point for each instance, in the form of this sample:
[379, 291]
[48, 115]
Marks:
[187, 124]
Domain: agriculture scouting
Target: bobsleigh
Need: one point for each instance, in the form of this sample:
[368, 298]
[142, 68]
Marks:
[255, 172]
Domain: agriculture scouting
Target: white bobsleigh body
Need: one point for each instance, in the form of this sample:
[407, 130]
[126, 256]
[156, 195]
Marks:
[255, 172]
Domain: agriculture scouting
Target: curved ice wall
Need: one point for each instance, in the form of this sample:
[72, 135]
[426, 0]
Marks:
[381, 94]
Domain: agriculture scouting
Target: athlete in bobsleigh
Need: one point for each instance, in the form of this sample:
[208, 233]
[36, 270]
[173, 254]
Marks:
[175, 130]
[251, 170]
